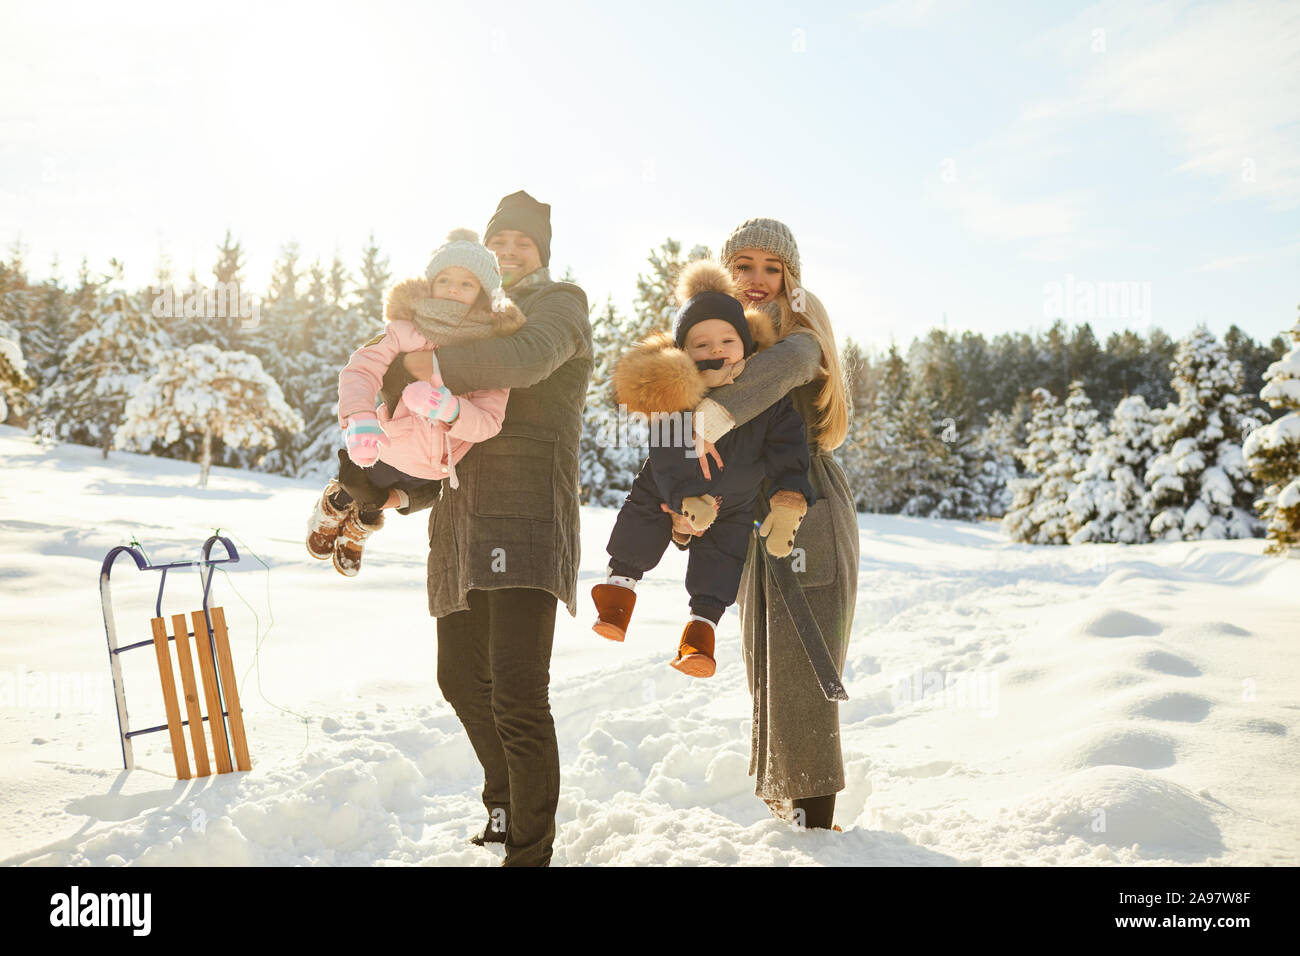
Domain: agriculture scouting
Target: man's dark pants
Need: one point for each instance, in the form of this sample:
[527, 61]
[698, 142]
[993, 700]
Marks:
[494, 668]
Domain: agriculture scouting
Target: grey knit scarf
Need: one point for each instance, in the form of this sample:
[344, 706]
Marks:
[540, 276]
[444, 321]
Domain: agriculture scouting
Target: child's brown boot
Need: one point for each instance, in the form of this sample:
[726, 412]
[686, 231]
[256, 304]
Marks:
[614, 605]
[695, 652]
[352, 540]
[326, 519]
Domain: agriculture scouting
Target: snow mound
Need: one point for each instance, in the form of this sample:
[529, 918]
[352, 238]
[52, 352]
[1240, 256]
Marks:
[1126, 746]
[1259, 725]
[1167, 663]
[1174, 705]
[1125, 807]
[1120, 624]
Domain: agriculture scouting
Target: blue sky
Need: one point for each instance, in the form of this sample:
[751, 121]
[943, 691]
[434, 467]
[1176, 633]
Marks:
[932, 158]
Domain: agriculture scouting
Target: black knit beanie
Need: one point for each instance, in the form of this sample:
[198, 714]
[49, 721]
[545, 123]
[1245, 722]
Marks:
[522, 212]
[712, 305]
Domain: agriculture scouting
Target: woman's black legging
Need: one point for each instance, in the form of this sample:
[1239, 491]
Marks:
[818, 812]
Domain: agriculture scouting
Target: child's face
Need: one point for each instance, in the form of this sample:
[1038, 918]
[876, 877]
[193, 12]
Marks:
[456, 283]
[758, 275]
[714, 339]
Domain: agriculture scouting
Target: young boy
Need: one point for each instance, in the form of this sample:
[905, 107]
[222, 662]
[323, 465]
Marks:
[712, 337]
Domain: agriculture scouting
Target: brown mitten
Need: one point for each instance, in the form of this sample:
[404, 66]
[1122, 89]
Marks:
[779, 527]
[700, 510]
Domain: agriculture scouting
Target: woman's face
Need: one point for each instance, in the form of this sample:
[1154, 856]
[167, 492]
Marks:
[517, 254]
[456, 283]
[759, 276]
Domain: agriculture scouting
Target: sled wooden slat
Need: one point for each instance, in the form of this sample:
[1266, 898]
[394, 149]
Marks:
[227, 665]
[169, 699]
[209, 671]
[180, 630]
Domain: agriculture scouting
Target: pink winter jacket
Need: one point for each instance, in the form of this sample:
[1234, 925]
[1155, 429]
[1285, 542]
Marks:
[417, 446]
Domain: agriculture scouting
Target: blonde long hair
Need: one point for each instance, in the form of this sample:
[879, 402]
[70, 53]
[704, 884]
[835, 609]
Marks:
[832, 402]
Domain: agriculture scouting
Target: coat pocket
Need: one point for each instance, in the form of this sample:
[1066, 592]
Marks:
[814, 559]
[398, 427]
[515, 474]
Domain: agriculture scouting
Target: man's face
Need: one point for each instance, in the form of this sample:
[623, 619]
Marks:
[517, 255]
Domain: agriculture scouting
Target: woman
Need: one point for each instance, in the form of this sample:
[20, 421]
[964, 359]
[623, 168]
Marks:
[795, 749]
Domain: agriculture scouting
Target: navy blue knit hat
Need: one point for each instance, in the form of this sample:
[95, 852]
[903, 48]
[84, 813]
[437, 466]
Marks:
[712, 305]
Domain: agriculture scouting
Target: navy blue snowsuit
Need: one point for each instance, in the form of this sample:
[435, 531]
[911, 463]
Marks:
[772, 446]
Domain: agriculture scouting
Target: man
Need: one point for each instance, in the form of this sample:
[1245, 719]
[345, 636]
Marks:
[504, 546]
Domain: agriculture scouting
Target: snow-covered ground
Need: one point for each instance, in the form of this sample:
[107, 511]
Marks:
[1011, 704]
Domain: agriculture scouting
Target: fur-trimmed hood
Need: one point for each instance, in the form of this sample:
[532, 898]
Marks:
[506, 318]
[656, 376]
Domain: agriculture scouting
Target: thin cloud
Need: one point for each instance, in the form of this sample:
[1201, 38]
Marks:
[908, 14]
[996, 217]
[1223, 81]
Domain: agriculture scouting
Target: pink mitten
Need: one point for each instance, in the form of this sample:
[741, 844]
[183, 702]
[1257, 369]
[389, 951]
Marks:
[364, 437]
[434, 402]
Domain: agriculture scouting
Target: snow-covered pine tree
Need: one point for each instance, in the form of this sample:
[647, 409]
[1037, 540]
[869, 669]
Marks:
[944, 465]
[1021, 522]
[84, 303]
[83, 401]
[1071, 444]
[881, 443]
[341, 327]
[859, 380]
[274, 342]
[1107, 503]
[367, 307]
[932, 473]
[222, 330]
[15, 383]
[1272, 452]
[215, 394]
[54, 319]
[44, 328]
[851, 455]
[993, 463]
[1198, 486]
[1255, 357]
[14, 293]
[606, 466]
[655, 302]
[308, 378]
[15, 380]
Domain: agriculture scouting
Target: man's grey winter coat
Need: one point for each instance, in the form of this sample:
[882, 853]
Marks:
[513, 522]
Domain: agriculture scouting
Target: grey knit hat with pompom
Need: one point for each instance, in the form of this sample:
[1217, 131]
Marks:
[463, 249]
[770, 235]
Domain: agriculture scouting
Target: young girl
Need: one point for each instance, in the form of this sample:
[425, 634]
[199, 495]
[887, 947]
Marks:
[420, 438]
[711, 340]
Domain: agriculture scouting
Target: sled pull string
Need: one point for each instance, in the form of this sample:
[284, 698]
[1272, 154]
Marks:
[260, 637]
